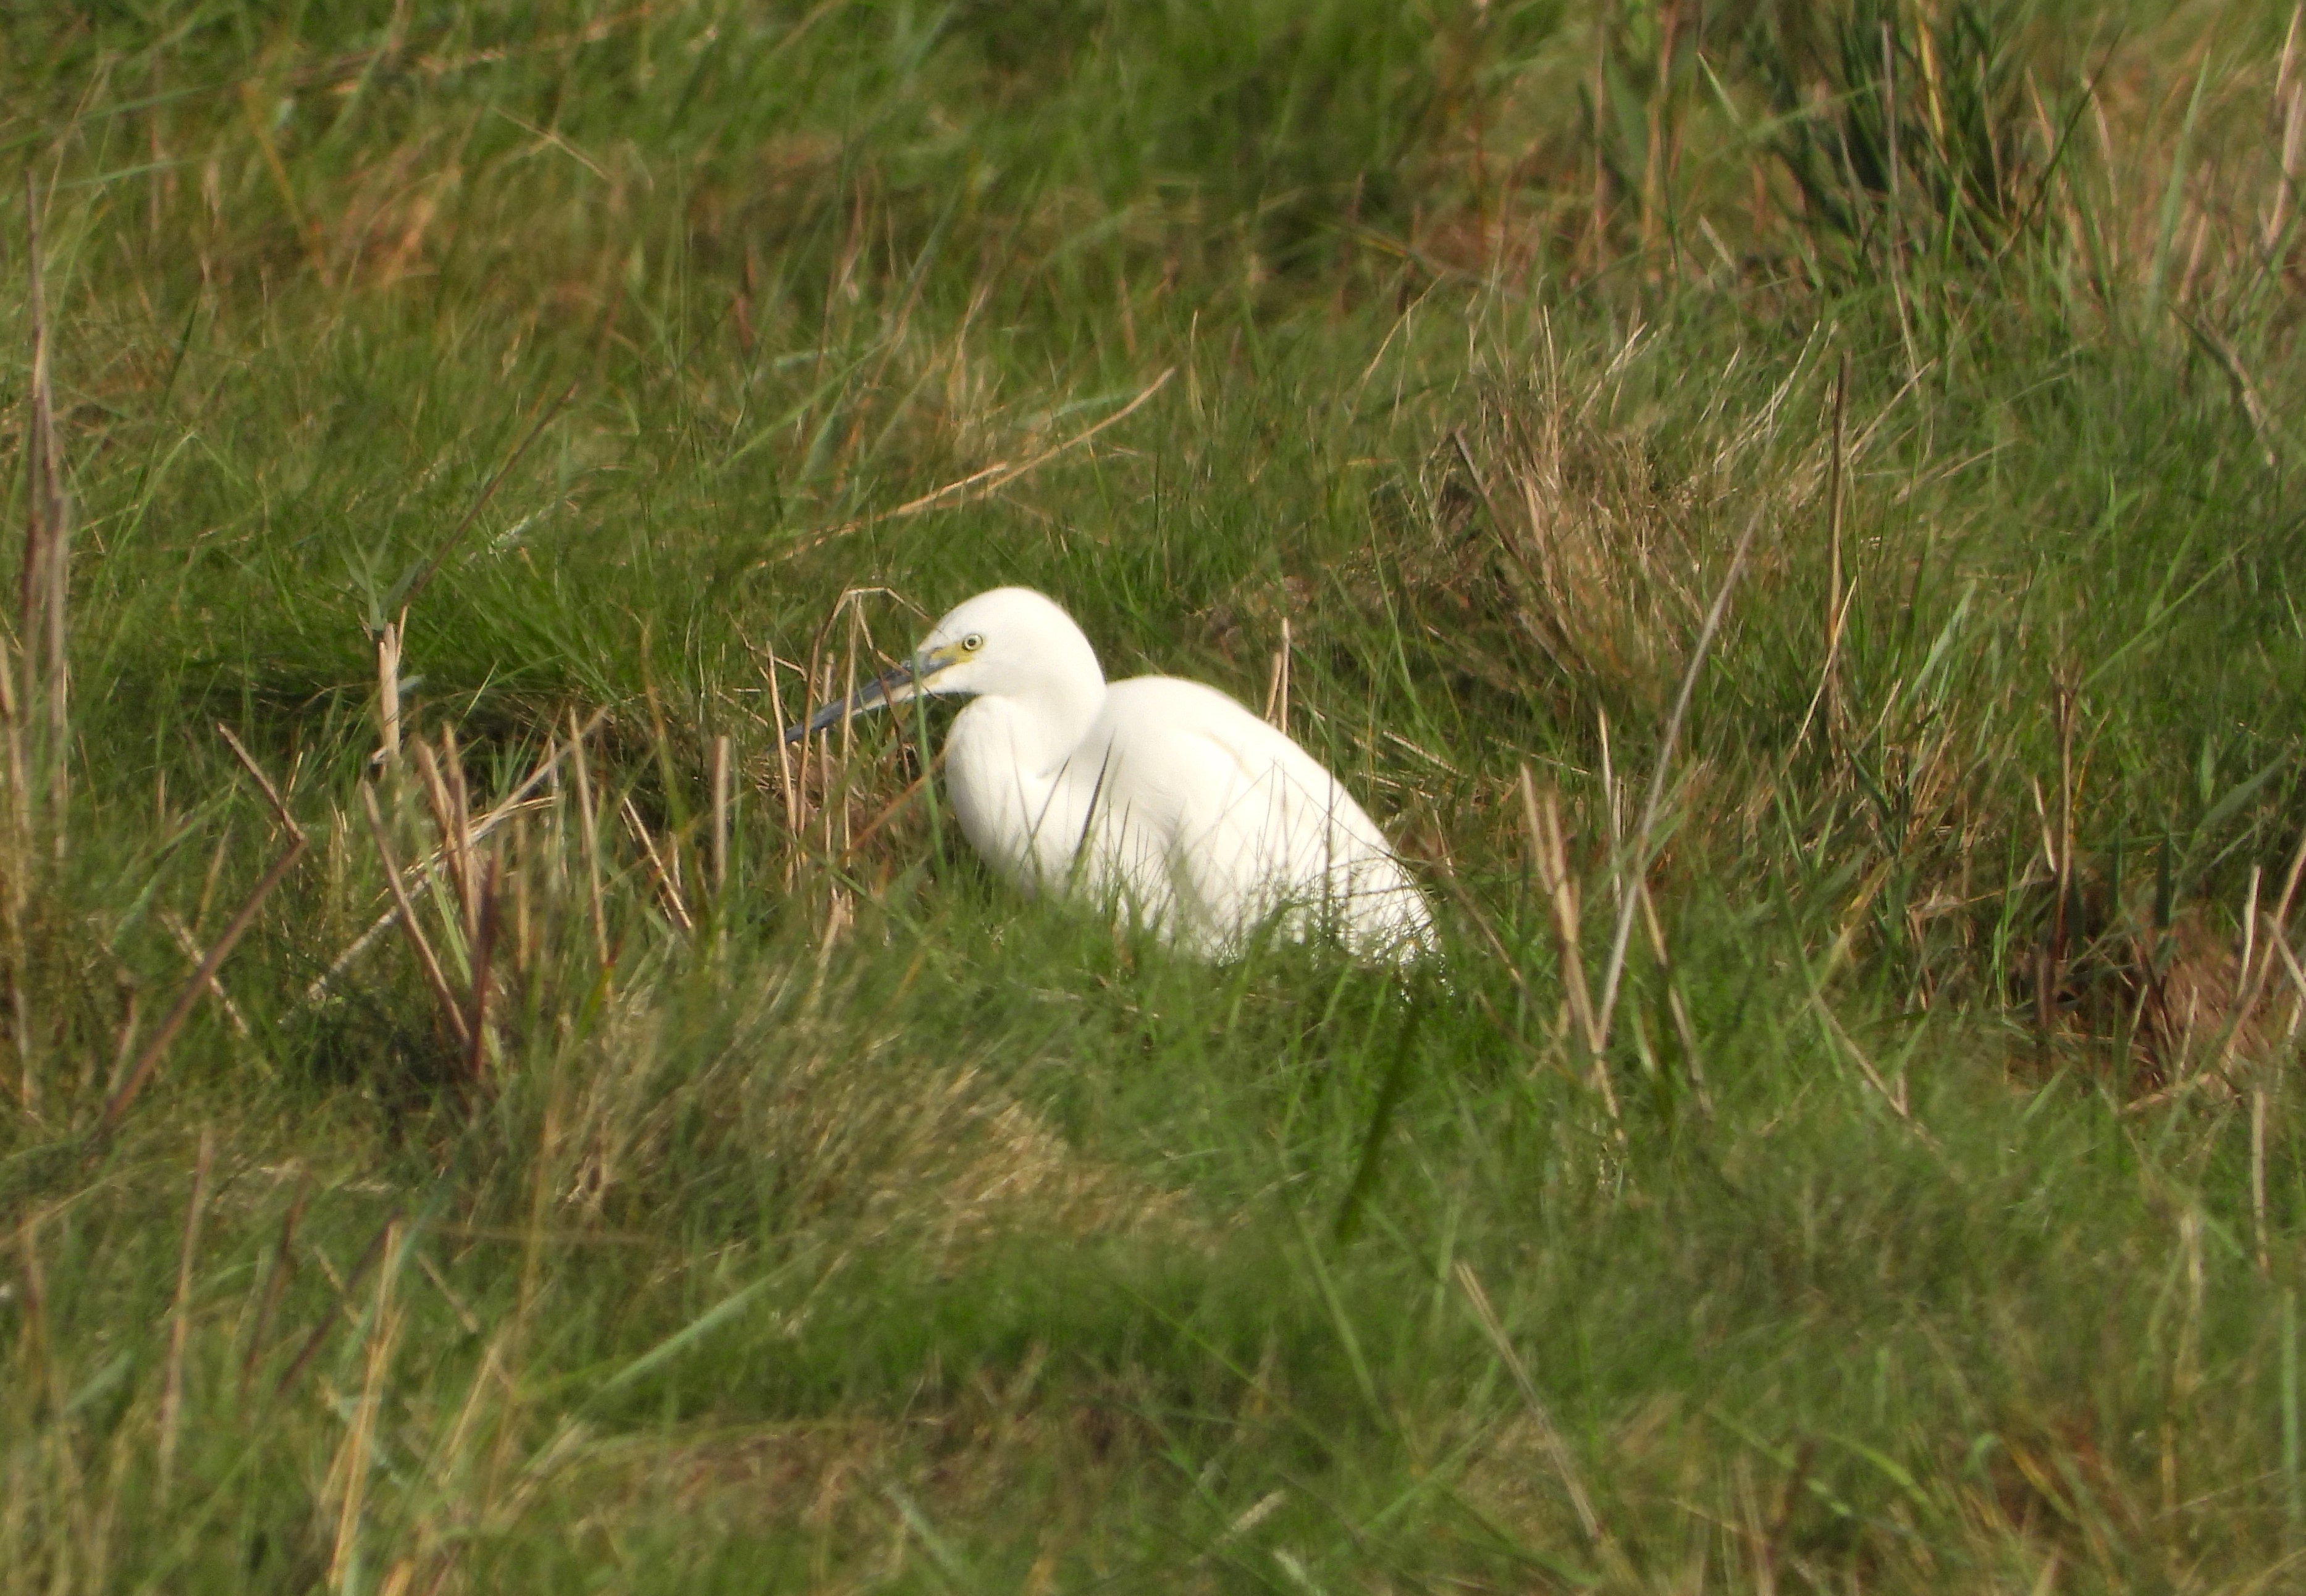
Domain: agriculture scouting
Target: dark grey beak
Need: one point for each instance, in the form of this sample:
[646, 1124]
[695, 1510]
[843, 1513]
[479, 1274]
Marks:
[893, 687]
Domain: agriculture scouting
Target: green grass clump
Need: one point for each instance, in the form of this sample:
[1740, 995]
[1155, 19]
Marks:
[729, 1183]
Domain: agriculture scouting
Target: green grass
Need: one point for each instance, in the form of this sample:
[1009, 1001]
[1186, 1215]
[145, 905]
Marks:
[854, 1225]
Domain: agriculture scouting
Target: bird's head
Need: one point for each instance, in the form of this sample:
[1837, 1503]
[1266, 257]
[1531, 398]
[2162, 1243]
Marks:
[1011, 641]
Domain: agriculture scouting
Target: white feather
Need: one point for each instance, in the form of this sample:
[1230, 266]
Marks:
[1163, 796]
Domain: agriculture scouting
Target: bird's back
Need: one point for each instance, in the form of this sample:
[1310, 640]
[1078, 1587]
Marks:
[1216, 821]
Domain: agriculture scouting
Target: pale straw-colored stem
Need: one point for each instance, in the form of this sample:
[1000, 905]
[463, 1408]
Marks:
[1636, 857]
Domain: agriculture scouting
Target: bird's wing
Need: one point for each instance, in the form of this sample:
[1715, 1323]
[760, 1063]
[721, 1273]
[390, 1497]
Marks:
[1248, 825]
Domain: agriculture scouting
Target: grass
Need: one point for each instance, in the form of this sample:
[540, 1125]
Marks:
[807, 1212]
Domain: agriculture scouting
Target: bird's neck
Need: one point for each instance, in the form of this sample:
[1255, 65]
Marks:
[1042, 726]
[1005, 773]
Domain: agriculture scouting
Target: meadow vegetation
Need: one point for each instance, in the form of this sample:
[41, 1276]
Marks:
[482, 1115]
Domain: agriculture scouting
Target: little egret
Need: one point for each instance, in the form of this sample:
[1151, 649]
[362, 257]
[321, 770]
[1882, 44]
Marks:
[1161, 796]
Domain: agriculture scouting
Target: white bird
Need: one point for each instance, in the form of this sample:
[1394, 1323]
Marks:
[1161, 797]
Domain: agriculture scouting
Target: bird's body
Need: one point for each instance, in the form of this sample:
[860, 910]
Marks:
[1178, 802]
[1162, 797]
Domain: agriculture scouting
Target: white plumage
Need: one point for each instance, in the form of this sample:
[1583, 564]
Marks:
[1163, 798]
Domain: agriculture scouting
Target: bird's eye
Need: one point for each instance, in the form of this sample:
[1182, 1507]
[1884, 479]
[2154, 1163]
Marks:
[973, 641]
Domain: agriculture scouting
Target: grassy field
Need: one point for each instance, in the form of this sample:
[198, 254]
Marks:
[720, 1180]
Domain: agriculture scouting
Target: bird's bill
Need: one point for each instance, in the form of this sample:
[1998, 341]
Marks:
[906, 681]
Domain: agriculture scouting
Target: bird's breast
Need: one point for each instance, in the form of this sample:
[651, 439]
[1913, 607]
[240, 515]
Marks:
[1012, 803]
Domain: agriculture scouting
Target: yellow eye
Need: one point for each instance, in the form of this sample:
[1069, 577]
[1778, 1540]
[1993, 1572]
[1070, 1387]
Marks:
[973, 641]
